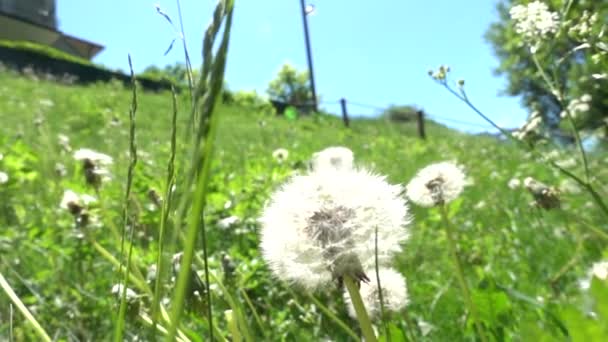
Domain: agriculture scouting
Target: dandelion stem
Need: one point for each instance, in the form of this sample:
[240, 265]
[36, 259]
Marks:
[331, 315]
[380, 297]
[15, 299]
[362, 316]
[459, 272]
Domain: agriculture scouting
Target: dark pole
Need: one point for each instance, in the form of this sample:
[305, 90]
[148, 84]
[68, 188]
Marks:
[309, 56]
[344, 112]
[421, 133]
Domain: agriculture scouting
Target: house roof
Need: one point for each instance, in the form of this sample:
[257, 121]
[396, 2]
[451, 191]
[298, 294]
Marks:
[17, 28]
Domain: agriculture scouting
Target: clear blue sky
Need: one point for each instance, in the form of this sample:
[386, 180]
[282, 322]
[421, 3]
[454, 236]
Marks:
[372, 52]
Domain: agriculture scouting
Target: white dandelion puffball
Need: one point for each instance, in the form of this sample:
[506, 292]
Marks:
[3, 177]
[280, 154]
[93, 156]
[436, 184]
[394, 293]
[322, 225]
[335, 157]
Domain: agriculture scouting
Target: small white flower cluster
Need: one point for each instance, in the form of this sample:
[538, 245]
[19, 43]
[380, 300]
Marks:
[534, 22]
[436, 184]
[94, 165]
[530, 129]
[582, 29]
[578, 106]
[322, 225]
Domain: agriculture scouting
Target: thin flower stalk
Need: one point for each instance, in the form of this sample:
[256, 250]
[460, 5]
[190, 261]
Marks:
[362, 316]
[466, 292]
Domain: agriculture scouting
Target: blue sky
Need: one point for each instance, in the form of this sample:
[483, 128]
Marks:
[375, 53]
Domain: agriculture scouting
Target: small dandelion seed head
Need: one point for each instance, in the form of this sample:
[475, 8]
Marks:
[394, 293]
[436, 184]
[94, 166]
[280, 155]
[320, 226]
[93, 156]
[3, 177]
[335, 157]
[71, 202]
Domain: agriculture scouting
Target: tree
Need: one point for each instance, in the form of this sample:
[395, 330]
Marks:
[291, 86]
[573, 58]
[400, 113]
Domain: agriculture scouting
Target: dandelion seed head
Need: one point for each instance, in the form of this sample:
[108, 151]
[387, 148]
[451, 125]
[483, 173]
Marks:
[394, 293]
[93, 156]
[335, 157]
[3, 177]
[319, 225]
[437, 183]
[280, 154]
[69, 199]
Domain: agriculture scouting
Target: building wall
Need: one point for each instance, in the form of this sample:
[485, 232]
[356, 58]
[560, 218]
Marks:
[42, 12]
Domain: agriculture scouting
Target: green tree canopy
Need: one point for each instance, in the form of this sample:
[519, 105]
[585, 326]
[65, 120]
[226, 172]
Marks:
[290, 86]
[573, 58]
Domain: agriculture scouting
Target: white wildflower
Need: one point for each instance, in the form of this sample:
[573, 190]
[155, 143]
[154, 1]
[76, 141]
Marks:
[514, 183]
[436, 184]
[394, 293]
[322, 225]
[3, 177]
[117, 291]
[228, 222]
[598, 270]
[64, 142]
[534, 21]
[578, 106]
[280, 154]
[425, 327]
[335, 157]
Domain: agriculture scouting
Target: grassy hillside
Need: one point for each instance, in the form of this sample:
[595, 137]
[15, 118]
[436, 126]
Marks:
[523, 264]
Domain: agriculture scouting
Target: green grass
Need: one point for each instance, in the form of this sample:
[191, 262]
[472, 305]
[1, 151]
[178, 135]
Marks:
[511, 251]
